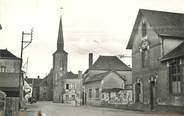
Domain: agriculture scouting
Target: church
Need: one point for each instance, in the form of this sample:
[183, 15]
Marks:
[60, 85]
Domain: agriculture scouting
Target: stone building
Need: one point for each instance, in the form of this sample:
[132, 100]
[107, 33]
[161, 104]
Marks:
[60, 58]
[156, 42]
[46, 88]
[9, 79]
[105, 79]
[35, 84]
[60, 85]
[72, 88]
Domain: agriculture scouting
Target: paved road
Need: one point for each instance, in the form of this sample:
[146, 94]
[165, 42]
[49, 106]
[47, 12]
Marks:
[58, 109]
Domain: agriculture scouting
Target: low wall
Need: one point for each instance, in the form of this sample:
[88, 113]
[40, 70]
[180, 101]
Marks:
[12, 104]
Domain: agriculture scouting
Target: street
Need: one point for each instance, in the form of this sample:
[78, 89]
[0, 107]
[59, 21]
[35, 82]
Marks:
[58, 109]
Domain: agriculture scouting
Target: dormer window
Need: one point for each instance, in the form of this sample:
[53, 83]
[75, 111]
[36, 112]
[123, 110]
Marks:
[144, 30]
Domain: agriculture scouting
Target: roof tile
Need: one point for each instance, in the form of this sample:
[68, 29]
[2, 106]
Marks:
[109, 63]
[4, 53]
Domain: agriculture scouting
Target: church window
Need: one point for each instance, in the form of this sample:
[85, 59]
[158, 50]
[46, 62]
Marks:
[175, 75]
[145, 57]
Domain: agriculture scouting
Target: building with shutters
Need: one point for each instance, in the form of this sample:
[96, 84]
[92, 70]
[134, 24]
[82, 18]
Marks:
[72, 88]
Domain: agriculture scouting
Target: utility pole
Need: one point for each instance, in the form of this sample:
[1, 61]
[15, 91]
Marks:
[0, 27]
[24, 44]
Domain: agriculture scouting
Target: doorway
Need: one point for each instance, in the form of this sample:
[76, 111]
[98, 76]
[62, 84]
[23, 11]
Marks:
[84, 98]
[152, 94]
[137, 92]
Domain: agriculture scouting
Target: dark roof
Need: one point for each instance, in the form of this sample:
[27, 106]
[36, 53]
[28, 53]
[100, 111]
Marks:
[5, 54]
[60, 52]
[177, 52]
[100, 77]
[97, 77]
[109, 63]
[70, 75]
[164, 24]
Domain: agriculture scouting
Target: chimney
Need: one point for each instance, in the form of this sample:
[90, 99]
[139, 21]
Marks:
[79, 74]
[90, 59]
[38, 77]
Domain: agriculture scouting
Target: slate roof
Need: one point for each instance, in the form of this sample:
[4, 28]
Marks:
[109, 63]
[177, 52]
[5, 54]
[70, 75]
[164, 24]
[101, 76]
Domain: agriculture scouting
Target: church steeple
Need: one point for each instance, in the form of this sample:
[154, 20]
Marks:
[60, 41]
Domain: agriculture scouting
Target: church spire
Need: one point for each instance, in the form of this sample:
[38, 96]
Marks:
[60, 41]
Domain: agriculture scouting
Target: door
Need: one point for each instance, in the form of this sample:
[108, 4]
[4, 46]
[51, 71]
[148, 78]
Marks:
[137, 92]
[84, 99]
[152, 94]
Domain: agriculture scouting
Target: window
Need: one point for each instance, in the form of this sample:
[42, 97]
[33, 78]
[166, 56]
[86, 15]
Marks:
[2, 69]
[90, 93]
[97, 92]
[175, 77]
[144, 55]
[73, 97]
[72, 86]
[103, 96]
[144, 31]
[67, 86]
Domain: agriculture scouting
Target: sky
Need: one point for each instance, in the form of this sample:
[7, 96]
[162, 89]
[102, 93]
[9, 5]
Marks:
[101, 27]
